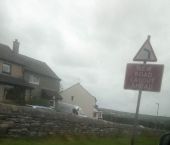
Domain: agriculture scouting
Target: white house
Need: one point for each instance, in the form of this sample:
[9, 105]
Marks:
[78, 95]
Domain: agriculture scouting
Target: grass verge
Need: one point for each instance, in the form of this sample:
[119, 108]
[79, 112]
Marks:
[79, 140]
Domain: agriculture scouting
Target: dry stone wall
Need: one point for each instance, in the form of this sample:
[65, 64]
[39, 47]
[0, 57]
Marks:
[24, 121]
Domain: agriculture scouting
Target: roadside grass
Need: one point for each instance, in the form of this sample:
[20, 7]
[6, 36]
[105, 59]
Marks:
[79, 140]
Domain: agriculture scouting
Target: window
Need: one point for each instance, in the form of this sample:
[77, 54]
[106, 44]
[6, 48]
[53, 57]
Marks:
[72, 98]
[94, 114]
[6, 68]
[34, 79]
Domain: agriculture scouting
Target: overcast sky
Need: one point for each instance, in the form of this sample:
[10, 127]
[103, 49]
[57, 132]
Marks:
[91, 41]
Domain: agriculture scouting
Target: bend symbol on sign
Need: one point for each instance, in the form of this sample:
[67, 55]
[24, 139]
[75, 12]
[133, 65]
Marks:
[149, 53]
[146, 52]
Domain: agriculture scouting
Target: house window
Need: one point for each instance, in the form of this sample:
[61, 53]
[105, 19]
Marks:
[6, 68]
[72, 98]
[34, 79]
[94, 114]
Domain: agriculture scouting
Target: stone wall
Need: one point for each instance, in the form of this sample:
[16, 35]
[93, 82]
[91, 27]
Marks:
[24, 121]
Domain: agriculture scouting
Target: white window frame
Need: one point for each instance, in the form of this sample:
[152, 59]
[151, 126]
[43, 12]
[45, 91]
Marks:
[34, 79]
[6, 68]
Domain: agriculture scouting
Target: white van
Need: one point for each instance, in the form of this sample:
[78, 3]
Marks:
[69, 108]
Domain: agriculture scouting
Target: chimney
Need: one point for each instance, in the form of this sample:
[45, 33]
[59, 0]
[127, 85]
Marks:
[16, 46]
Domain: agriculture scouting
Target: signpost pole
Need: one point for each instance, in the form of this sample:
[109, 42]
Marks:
[134, 132]
[136, 118]
[143, 77]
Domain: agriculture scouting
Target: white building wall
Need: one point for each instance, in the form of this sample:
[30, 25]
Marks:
[81, 98]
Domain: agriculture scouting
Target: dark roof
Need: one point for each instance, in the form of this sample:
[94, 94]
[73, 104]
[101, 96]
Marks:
[14, 81]
[29, 63]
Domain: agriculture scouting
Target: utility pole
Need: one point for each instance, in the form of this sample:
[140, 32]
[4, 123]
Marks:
[157, 109]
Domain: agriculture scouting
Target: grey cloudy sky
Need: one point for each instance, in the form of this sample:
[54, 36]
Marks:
[91, 41]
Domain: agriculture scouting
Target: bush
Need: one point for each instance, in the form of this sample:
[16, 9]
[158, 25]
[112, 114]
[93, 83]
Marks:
[39, 101]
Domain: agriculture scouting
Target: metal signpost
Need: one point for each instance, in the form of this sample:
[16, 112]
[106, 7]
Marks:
[143, 77]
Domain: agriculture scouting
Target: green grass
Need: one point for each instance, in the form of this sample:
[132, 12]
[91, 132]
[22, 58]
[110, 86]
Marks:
[79, 140]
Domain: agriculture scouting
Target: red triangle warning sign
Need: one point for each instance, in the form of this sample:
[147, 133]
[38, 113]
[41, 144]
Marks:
[146, 52]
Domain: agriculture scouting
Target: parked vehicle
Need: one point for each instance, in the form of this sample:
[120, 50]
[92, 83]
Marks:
[69, 108]
[61, 107]
[40, 107]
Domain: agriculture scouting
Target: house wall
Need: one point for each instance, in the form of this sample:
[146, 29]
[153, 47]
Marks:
[1, 88]
[49, 83]
[44, 83]
[81, 98]
[1, 93]
[16, 70]
[27, 95]
[1, 65]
